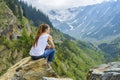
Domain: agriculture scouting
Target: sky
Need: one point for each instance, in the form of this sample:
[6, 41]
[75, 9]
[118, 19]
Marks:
[46, 5]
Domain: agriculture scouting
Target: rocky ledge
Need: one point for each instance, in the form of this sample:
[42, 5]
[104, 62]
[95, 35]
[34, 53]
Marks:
[27, 69]
[110, 71]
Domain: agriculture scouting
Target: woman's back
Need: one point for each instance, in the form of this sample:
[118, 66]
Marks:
[40, 47]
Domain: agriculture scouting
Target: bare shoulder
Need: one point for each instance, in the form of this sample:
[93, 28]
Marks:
[50, 37]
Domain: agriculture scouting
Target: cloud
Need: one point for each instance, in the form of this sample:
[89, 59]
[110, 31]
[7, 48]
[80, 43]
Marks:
[46, 5]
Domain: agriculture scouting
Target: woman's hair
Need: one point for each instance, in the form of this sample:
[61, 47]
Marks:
[41, 29]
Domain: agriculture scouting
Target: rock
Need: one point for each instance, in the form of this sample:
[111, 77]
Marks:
[110, 71]
[8, 22]
[28, 69]
[48, 78]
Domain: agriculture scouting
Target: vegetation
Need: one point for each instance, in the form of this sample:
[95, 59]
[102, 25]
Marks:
[36, 16]
[15, 7]
[112, 49]
[72, 59]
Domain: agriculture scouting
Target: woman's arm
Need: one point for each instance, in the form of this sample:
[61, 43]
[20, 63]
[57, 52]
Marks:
[50, 39]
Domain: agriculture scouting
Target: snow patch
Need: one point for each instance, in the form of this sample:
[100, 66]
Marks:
[71, 27]
[83, 30]
[92, 27]
[80, 24]
[85, 18]
[114, 31]
[106, 10]
[96, 32]
[74, 21]
[89, 33]
[63, 14]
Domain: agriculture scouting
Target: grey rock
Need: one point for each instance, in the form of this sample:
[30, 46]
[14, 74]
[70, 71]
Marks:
[51, 78]
[110, 71]
[28, 69]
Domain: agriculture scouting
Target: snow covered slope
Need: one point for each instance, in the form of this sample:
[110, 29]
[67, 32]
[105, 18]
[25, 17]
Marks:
[96, 22]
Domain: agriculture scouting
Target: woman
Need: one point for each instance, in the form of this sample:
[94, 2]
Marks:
[40, 48]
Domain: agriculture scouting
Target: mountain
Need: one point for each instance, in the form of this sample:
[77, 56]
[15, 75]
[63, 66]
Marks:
[8, 22]
[73, 57]
[112, 49]
[10, 29]
[91, 23]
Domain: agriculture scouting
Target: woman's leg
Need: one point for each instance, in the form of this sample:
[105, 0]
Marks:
[36, 57]
[50, 54]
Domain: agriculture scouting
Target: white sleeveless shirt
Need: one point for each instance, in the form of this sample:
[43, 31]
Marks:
[39, 49]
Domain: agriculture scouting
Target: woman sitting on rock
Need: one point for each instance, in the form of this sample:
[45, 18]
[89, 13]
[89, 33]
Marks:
[41, 48]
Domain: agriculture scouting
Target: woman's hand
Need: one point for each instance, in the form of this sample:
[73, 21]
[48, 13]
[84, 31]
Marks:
[48, 46]
[51, 42]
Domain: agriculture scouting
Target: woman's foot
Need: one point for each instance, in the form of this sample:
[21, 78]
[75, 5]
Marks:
[49, 64]
[48, 67]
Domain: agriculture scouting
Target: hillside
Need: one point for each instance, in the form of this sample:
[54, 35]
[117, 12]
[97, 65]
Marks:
[8, 22]
[73, 58]
[112, 49]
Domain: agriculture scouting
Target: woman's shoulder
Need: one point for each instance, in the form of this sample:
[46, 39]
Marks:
[45, 35]
[48, 35]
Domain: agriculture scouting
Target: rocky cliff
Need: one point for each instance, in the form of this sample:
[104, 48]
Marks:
[8, 22]
[110, 71]
[27, 69]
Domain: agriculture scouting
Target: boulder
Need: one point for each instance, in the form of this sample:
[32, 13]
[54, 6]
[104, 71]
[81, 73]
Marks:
[28, 69]
[110, 71]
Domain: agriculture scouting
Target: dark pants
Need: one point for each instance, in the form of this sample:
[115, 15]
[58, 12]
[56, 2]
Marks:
[48, 53]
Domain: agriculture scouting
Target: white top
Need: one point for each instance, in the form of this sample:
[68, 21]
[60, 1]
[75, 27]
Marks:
[40, 47]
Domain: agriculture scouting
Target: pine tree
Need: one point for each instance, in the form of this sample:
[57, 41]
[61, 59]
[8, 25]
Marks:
[15, 7]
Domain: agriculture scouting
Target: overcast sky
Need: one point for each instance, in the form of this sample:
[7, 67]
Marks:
[46, 5]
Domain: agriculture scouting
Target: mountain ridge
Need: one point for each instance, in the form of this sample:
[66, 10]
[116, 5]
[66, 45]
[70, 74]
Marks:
[95, 22]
